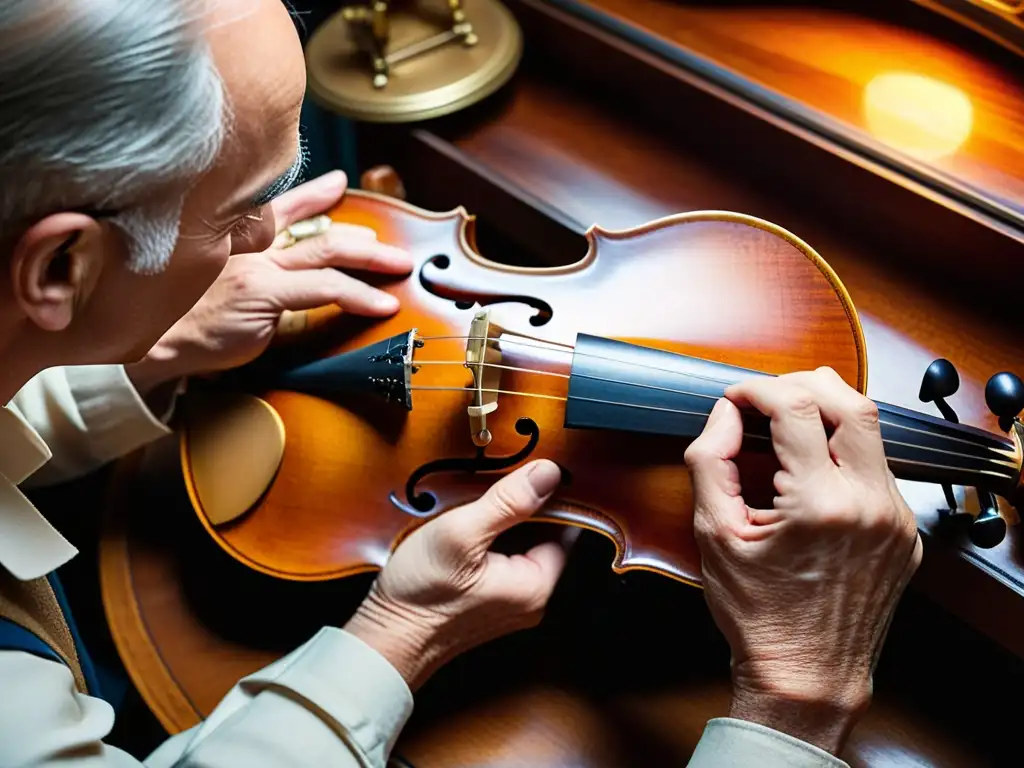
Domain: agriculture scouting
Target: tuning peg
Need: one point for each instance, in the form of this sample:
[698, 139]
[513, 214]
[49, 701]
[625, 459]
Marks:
[1004, 395]
[989, 527]
[384, 180]
[940, 381]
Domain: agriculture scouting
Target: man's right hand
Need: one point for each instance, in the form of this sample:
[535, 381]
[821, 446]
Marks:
[803, 591]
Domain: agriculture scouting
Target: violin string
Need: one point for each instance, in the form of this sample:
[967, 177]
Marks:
[1007, 452]
[886, 441]
[700, 414]
[705, 414]
[490, 365]
[568, 347]
[430, 388]
[570, 350]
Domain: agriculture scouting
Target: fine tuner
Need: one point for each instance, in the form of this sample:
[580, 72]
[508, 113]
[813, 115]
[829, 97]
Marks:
[1004, 395]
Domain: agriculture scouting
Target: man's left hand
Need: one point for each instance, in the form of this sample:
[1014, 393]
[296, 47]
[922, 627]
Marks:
[235, 321]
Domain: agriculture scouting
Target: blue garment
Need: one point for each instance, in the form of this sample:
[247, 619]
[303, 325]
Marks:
[14, 637]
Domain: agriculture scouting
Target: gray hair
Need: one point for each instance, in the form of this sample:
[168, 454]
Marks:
[106, 104]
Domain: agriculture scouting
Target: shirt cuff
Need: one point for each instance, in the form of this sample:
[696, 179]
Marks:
[351, 683]
[730, 742]
[114, 414]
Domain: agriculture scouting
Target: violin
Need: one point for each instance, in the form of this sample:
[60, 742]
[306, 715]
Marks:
[316, 460]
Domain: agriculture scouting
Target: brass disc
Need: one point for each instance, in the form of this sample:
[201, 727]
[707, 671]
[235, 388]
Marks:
[438, 82]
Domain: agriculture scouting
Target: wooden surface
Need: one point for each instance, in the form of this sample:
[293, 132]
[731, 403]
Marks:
[624, 671]
[953, 102]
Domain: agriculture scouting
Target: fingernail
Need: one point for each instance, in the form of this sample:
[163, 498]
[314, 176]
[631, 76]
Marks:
[334, 179]
[544, 477]
[385, 301]
[716, 413]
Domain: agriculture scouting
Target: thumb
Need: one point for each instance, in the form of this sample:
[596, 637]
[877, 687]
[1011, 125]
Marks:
[719, 442]
[511, 500]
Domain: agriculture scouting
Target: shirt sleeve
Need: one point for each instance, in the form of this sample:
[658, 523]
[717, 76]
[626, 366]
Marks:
[333, 701]
[728, 743]
[87, 415]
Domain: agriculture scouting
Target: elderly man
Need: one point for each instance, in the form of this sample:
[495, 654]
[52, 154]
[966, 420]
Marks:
[145, 147]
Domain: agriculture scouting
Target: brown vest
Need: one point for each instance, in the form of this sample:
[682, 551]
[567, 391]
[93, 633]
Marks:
[33, 605]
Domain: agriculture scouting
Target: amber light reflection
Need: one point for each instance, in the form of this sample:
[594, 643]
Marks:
[924, 117]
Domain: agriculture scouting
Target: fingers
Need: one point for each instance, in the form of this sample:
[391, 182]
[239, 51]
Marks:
[798, 434]
[309, 199]
[541, 568]
[528, 580]
[856, 441]
[710, 456]
[311, 288]
[716, 483]
[511, 500]
[345, 246]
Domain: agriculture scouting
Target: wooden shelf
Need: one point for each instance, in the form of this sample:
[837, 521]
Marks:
[928, 100]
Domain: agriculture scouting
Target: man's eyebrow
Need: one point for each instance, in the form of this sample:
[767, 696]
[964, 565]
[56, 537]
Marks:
[282, 183]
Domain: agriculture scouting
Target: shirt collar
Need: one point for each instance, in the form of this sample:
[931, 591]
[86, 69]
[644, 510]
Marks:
[29, 546]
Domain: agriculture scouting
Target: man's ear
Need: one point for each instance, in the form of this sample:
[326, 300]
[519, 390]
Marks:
[55, 265]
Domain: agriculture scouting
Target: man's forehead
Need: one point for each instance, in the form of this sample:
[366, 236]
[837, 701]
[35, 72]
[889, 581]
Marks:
[258, 54]
[260, 59]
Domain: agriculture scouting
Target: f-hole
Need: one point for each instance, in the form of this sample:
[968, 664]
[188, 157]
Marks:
[465, 299]
[421, 503]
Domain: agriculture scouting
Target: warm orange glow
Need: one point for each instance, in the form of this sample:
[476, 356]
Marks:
[921, 116]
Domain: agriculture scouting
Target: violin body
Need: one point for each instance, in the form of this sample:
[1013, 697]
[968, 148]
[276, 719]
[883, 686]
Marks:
[340, 493]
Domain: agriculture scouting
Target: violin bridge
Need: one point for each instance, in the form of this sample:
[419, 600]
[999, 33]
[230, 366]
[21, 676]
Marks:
[483, 354]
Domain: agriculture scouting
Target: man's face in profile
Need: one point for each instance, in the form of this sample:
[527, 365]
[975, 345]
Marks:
[259, 56]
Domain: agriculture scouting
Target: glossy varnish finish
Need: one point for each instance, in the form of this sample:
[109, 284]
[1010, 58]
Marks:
[716, 285]
[925, 97]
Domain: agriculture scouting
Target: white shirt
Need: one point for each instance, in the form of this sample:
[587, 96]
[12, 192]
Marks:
[334, 701]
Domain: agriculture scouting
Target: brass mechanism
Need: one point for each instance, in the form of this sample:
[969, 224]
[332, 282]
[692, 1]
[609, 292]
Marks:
[369, 23]
[482, 355]
[399, 61]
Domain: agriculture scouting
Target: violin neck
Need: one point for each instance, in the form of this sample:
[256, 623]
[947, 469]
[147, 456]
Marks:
[621, 386]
